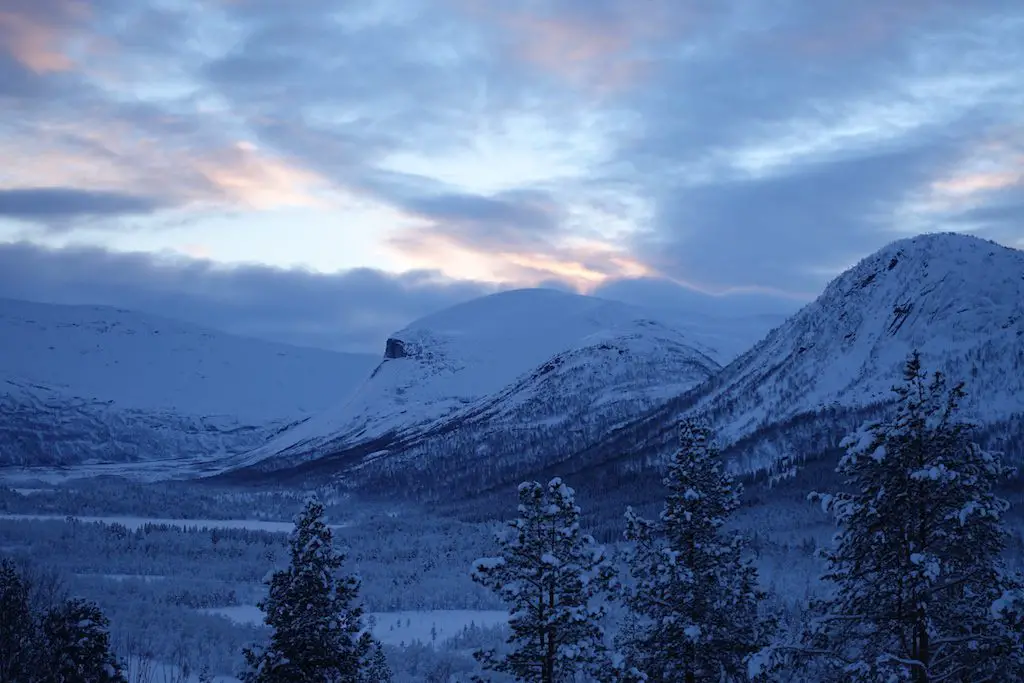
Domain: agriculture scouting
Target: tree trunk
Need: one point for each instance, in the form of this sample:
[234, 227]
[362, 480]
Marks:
[923, 647]
[549, 659]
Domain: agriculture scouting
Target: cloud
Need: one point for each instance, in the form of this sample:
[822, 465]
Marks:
[514, 218]
[34, 33]
[665, 294]
[758, 233]
[52, 206]
[771, 169]
[353, 310]
[759, 146]
[350, 311]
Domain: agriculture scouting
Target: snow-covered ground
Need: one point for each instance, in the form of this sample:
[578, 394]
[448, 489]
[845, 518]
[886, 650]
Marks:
[92, 384]
[396, 628]
[133, 523]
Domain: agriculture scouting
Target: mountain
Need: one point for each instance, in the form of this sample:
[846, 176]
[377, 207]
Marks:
[958, 299]
[86, 384]
[519, 357]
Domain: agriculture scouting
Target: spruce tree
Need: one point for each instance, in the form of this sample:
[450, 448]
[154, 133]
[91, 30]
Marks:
[16, 625]
[69, 642]
[694, 598]
[916, 570]
[313, 613]
[74, 645]
[377, 669]
[551, 575]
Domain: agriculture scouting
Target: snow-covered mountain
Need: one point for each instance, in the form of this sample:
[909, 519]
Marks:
[956, 298]
[537, 356]
[539, 421]
[90, 384]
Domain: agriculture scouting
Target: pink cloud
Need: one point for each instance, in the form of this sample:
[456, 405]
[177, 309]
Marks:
[584, 265]
[239, 175]
[40, 40]
[604, 53]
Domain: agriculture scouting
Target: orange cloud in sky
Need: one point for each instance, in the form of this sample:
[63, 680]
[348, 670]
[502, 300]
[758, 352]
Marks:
[239, 175]
[40, 41]
[973, 183]
[584, 265]
[991, 165]
[245, 175]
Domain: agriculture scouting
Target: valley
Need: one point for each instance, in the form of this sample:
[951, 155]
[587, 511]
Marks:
[156, 467]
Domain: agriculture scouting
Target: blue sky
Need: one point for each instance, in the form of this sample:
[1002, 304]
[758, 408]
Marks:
[324, 171]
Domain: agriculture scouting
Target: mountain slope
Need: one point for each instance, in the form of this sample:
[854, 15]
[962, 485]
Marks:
[438, 368]
[538, 421]
[956, 298]
[91, 383]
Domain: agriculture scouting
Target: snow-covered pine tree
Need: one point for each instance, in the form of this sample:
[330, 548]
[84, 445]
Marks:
[74, 645]
[68, 642]
[551, 575]
[313, 613]
[376, 669]
[695, 600]
[16, 624]
[916, 563]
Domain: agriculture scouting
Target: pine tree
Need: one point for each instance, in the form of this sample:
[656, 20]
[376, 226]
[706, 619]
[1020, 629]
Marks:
[315, 620]
[376, 669]
[74, 645]
[916, 563]
[694, 598]
[16, 625]
[69, 642]
[551, 575]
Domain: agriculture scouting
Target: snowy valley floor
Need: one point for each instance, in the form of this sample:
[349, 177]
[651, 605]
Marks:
[178, 567]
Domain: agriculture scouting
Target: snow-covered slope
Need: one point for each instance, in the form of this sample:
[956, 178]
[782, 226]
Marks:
[956, 298]
[441, 366]
[90, 383]
[574, 399]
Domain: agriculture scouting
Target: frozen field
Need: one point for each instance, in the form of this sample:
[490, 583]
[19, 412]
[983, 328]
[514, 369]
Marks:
[396, 628]
[133, 523]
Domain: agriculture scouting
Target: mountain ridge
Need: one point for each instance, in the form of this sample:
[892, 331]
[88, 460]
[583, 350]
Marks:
[93, 383]
[447, 361]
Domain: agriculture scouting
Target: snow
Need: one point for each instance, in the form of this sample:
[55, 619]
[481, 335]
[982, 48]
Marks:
[133, 523]
[394, 628]
[956, 298]
[95, 385]
[145, 362]
[467, 355]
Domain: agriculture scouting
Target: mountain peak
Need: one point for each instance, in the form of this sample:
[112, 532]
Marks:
[956, 298]
[931, 255]
[446, 361]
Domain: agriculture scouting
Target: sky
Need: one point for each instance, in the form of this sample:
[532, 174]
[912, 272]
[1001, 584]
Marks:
[323, 171]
